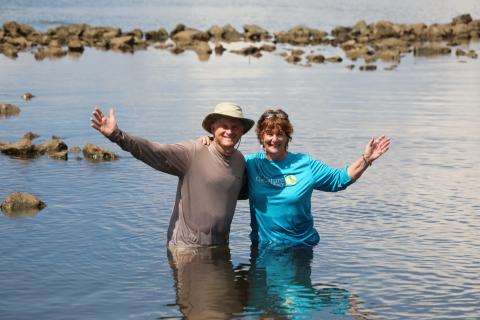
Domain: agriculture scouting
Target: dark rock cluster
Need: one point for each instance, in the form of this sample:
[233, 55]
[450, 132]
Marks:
[382, 40]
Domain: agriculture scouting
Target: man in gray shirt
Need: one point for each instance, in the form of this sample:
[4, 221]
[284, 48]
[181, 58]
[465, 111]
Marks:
[210, 177]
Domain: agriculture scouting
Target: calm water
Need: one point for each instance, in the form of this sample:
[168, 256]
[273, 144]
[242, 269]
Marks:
[402, 243]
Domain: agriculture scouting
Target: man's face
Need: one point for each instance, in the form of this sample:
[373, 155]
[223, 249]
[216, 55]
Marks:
[227, 132]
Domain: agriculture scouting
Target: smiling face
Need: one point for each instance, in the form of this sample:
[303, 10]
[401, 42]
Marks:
[226, 133]
[275, 144]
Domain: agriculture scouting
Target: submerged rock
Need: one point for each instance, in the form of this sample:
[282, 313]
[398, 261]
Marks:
[7, 110]
[96, 153]
[27, 96]
[21, 202]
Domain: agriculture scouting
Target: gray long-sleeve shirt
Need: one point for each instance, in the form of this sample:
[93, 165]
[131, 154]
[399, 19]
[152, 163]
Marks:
[208, 186]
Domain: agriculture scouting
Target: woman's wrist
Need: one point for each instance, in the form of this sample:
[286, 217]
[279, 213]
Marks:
[366, 161]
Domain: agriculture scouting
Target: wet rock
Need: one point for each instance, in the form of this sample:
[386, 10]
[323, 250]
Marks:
[334, 59]
[178, 28]
[428, 50]
[188, 36]
[75, 150]
[341, 34]
[23, 149]
[360, 29]
[18, 202]
[385, 29]
[122, 43]
[219, 49]
[249, 51]
[164, 46]
[160, 35]
[316, 58]
[75, 45]
[215, 33]
[177, 50]
[388, 55]
[27, 96]
[392, 67]
[459, 52]
[11, 28]
[230, 34]
[293, 59]
[301, 35]
[462, 19]
[95, 153]
[268, 47]
[7, 110]
[255, 33]
[368, 67]
[60, 155]
[9, 50]
[472, 54]
[30, 135]
[52, 146]
[297, 52]
[350, 66]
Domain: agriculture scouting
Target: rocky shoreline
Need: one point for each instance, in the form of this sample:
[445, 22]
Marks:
[385, 41]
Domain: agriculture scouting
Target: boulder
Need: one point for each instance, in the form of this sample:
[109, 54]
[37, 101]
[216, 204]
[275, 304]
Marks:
[95, 153]
[462, 19]
[249, 51]
[9, 50]
[368, 67]
[23, 149]
[52, 146]
[178, 28]
[188, 36]
[75, 45]
[122, 43]
[219, 49]
[7, 110]
[316, 58]
[432, 49]
[30, 135]
[160, 35]
[27, 96]
[230, 34]
[21, 202]
[255, 33]
[301, 35]
[334, 59]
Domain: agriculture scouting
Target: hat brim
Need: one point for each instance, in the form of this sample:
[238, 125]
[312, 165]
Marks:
[212, 117]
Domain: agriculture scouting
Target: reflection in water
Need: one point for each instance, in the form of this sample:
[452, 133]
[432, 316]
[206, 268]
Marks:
[206, 283]
[280, 287]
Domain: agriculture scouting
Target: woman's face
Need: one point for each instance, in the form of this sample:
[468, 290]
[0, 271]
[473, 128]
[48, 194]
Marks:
[275, 144]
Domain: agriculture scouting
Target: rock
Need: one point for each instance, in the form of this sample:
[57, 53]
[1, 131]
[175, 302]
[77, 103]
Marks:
[430, 50]
[160, 35]
[9, 50]
[472, 54]
[52, 146]
[177, 50]
[385, 29]
[59, 155]
[96, 153]
[255, 33]
[75, 150]
[297, 52]
[18, 202]
[178, 28]
[368, 67]
[7, 110]
[293, 59]
[30, 135]
[334, 59]
[316, 58]
[11, 28]
[249, 51]
[230, 34]
[219, 49]
[462, 19]
[75, 46]
[122, 43]
[27, 96]
[388, 55]
[23, 149]
[268, 47]
[460, 52]
[215, 33]
[350, 66]
[188, 36]
[301, 35]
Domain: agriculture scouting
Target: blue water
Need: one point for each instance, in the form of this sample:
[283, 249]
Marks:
[401, 243]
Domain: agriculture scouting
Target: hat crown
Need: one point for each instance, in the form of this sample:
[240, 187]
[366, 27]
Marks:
[229, 109]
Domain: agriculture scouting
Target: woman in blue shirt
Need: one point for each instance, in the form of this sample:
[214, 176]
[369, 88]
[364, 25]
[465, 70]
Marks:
[280, 183]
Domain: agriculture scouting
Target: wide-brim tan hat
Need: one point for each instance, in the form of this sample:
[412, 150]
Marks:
[227, 110]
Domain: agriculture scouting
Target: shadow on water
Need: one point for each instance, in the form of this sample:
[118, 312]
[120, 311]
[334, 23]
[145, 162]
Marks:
[276, 285]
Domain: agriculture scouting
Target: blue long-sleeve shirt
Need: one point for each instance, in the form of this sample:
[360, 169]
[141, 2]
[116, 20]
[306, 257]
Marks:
[280, 196]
